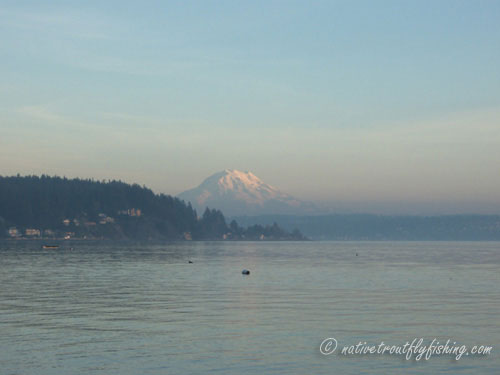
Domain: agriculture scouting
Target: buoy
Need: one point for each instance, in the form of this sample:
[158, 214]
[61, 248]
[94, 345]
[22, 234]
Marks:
[190, 261]
[245, 272]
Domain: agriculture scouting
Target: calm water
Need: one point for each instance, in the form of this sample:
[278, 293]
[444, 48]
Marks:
[123, 309]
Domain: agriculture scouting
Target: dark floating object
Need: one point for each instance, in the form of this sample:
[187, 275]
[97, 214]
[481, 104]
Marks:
[50, 246]
[190, 262]
[245, 272]
[356, 254]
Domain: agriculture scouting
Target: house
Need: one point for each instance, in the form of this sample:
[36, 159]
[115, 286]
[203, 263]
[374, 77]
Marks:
[131, 212]
[14, 232]
[104, 219]
[31, 232]
[69, 235]
[48, 233]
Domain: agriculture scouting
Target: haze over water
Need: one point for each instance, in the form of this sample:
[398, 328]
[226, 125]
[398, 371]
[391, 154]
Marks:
[130, 309]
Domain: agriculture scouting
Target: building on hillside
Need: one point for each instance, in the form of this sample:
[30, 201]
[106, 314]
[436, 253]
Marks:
[49, 233]
[32, 232]
[69, 235]
[14, 232]
[105, 219]
[131, 212]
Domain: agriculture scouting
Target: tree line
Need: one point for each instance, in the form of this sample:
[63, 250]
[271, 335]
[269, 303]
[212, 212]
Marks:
[86, 208]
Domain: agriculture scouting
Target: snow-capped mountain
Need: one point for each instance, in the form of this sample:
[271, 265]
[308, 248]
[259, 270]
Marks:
[242, 193]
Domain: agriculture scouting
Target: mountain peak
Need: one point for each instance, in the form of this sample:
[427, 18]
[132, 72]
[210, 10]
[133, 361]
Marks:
[241, 193]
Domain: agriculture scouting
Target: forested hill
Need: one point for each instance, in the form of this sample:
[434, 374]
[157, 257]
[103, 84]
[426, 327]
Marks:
[55, 207]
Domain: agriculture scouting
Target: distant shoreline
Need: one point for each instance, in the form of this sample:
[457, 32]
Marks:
[167, 241]
[59, 241]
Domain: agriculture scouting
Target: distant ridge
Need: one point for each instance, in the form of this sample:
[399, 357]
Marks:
[242, 193]
[357, 227]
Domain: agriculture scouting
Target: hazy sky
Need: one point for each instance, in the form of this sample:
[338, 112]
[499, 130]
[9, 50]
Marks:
[380, 106]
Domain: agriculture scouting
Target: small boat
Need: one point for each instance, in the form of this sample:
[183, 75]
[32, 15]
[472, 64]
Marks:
[50, 246]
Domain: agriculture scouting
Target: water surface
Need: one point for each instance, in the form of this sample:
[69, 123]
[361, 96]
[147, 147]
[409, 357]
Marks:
[103, 308]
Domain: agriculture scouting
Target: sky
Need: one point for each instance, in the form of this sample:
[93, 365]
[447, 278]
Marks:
[369, 106]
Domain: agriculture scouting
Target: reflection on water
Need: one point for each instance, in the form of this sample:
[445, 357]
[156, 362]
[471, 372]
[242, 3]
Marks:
[130, 309]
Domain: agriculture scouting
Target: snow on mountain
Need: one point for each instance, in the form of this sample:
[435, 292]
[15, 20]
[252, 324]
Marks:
[242, 193]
